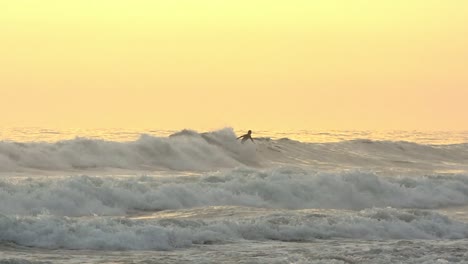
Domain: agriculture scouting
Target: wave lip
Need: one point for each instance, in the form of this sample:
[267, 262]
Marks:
[166, 234]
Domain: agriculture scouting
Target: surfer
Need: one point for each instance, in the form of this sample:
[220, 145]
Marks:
[246, 136]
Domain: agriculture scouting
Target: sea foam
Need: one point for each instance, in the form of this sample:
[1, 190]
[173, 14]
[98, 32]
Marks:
[284, 187]
[165, 234]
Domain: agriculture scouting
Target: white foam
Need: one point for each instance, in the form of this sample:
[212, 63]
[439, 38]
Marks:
[289, 187]
[164, 234]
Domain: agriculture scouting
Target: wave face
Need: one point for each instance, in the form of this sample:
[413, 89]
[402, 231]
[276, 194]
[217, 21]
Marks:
[189, 150]
[168, 233]
[280, 188]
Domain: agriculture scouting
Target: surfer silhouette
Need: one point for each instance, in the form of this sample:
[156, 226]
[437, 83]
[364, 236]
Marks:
[246, 136]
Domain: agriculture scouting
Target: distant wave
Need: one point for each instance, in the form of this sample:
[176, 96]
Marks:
[190, 150]
[281, 188]
[165, 234]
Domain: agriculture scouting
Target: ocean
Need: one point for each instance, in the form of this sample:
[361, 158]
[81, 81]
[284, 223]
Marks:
[165, 196]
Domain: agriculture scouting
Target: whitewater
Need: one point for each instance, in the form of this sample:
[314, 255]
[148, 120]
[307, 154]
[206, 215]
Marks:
[203, 197]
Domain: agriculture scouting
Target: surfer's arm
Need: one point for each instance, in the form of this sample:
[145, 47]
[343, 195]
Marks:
[252, 140]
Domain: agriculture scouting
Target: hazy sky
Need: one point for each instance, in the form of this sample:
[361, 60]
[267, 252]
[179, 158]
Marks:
[202, 64]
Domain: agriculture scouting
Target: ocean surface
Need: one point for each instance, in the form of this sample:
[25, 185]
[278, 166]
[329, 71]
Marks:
[160, 196]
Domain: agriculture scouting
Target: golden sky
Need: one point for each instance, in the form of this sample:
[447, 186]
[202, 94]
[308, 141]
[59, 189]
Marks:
[253, 64]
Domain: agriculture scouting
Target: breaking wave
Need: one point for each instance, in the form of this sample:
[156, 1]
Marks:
[284, 188]
[186, 150]
[166, 234]
[189, 150]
